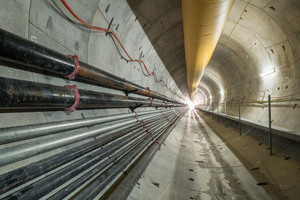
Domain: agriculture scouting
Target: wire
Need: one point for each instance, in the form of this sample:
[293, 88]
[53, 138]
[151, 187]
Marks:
[111, 33]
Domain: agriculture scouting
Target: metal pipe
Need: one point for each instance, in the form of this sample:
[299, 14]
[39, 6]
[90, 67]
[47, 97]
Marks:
[93, 189]
[123, 188]
[24, 174]
[22, 151]
[18, 94]
[240, 124]
[49, 183]
[16, 49]
[225, 115]
[13, 134]
[270, 126]
[144, 139]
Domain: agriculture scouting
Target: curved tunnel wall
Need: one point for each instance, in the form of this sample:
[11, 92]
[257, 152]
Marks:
[267, 34]
[259, 36]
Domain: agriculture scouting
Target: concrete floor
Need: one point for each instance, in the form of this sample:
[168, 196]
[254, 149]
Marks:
[194, 163]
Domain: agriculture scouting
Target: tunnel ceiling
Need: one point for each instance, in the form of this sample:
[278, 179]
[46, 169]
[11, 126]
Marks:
[162, 22]
[258, 35]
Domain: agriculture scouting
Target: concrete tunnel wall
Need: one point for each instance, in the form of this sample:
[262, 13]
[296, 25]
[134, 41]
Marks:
[257, 35]
[37, 21]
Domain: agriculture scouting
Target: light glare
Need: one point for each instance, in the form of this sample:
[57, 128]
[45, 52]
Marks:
[191, 105]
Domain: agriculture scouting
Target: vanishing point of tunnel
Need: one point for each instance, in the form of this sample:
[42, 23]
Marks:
[150, 99]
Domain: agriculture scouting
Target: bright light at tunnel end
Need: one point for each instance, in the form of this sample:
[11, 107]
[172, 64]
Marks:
[191, 105]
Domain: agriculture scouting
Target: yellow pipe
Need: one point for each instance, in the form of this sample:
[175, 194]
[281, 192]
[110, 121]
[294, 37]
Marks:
[203, 22]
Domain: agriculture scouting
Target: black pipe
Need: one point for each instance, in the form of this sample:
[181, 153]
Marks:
[16, 49]
[18, 94]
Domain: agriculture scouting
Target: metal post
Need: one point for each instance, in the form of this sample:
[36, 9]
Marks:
[225, 116]
[212, 111]
[217, 111]
[240, 125]
[270, 128]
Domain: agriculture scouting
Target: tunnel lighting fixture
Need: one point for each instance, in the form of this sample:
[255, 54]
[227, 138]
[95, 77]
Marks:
[268, 72]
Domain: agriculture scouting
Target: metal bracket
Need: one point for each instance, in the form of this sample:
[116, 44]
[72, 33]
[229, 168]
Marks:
[110, 24]
[128, 92]
[132, 108]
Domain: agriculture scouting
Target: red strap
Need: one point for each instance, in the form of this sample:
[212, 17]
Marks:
[159, 144]
[164, 97]
[150, 133]
[149, 91]
[77, 98]
[168, 119]
[151, 102]
[166, 104]
[77, 65]
[136, 117]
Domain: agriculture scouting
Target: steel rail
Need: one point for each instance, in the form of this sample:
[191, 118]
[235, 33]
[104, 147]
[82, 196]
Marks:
[16, 49]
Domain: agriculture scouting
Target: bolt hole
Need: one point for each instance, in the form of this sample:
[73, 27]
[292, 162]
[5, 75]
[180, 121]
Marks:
[191, 179]
[262, 183]
[283, 47]
[260, 143]
[278, 88]
[272, 50]
[295, 105]
[107, 8]
[272, 8]
[191, 197]
[286, 87]
[287, 158]
[191, 170]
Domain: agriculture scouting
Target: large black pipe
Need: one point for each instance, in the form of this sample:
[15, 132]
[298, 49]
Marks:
[25, 95]
[16, 49]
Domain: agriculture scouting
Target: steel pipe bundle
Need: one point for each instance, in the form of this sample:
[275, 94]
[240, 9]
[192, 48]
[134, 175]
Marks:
[16, 49]
[22, 151]
[18, 94]
[18, 133]
[121, 146]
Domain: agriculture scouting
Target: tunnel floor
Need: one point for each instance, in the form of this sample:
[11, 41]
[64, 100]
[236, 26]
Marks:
[194, 163]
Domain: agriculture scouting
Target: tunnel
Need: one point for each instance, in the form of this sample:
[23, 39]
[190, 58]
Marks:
[150, 99]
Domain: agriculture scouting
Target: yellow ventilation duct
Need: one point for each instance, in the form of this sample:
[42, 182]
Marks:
[203, 22]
